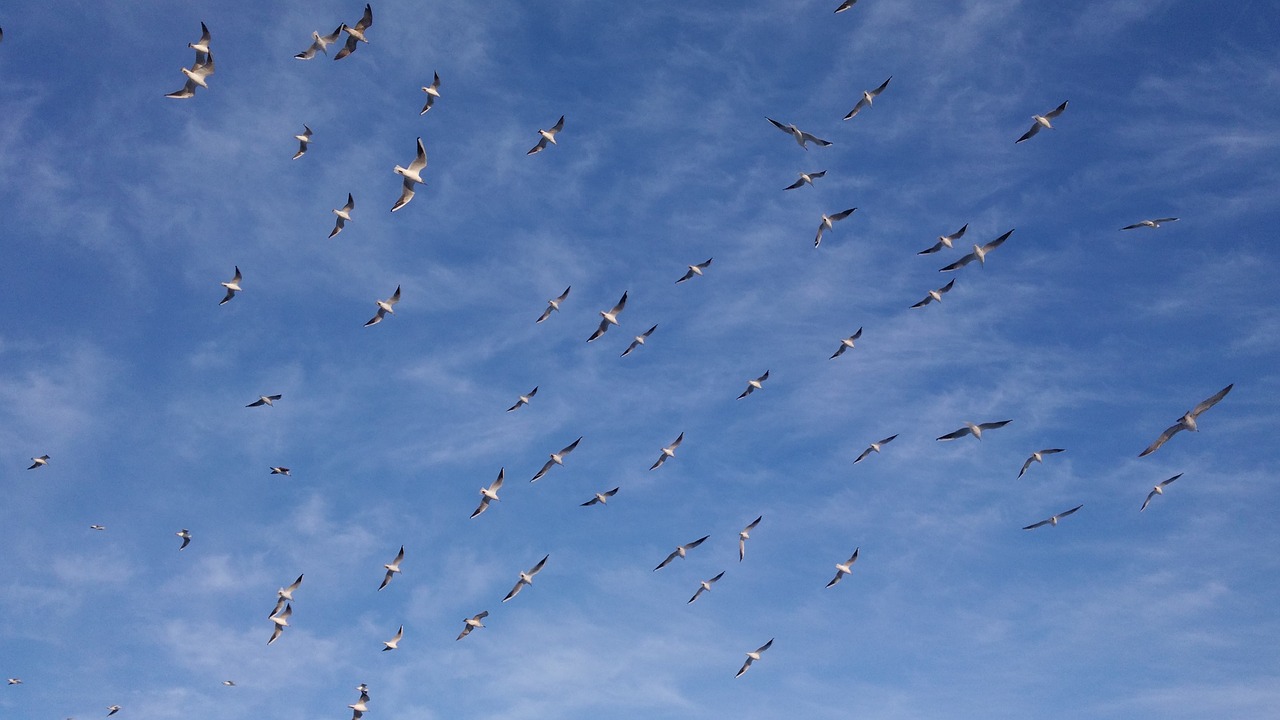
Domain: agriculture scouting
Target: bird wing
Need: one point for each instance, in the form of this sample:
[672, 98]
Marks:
[813, 138]
[863, 456]
[348, 48]
[997, 242]
[366, 21]
[956, 434]
[1132, 227]
[622, 304]
[406, 194]
[854, 557]
[877, 91]
[431, 99]
[744, 667]
[753, 524]
[1036, 525]
[604, 327]
[542, 145]
[784, 128]
[795, 184]
[697, 542]
[484, 505]
[661, 459]
[742, 549]
[1026, 465]
[1165, 483]
[960, 263]
[1150, 495]
[386, 579]
[835, 579]
[420, 160]
[887, 440]
[376, 318]
[1164, 437]
[592, 501]
[846, 5]
[543, 471]
[230, 294]
[993, 425]
[1035, 128]
[843, 214]
[514, 591]
[1072, 510]
[569, 448]
[1056, 111]
[296, 584]
[686, 276]
[666, 562]
[857, 108]
[1210, 402]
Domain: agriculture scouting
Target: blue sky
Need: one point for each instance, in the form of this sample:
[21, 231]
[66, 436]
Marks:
[124, 210]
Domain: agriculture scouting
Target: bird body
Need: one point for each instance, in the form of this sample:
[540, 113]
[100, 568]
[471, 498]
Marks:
[744, 535]
[1042, 121]
[39, 462]
[412, 176]
[668, 452]
[385, 307]
[609, 317]
[433, 93]
[845, 567]
[753, 385]
[547, 136]
[526, 578]
[846, 344]
[392, 568]
[826, 222]
[233, 286]
[753, 656]
[489, 494]
[556, 459]
[303, 140]
[553, 305]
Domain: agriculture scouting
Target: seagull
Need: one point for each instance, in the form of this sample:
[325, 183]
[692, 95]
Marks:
[473, 622]
[15, 681]
[361, 706]
[826, 223]
[554, 305]
[392, 568]
[753, 385]
[433, 92]
[229, 683]
[1188, 421]
[344, 215]
[286, 593]
[681, 551]
[1042, 121]
[113, 709]
[185, 534]
[547, 136]
[867, 97]
[524, 400]
[197, 75]
[489, 494]
[1038, 457]
[801, 136]
[935, 295]
[805, 178]
[281, 621]
[609, 318]
[744, 536]
[303, 139]
[668, 452]
[265, 400]
[556, 459]
[526, 578]
[201, 45]
[945, 241]
[1157, 490]
[1053, 520]
[601, 498]
[355, 34]
[412, 175]
[845, 568]
[395, 641]
[277, 470]
[845, 344]
[319, 43]
[638, 340]
[846, 5]
[704, 586]
[753, 656]
[874, 448]
[232, 287]
[98, 527]
[384, 307]
[979, 253]
[975, 430]
[37, 462]
[694, 270]
[1149, 223]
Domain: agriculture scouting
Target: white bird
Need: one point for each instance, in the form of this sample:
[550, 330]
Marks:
[547, 136]
[303, 139]
[472, 623]
[974, 430]
[1053, 520]
[638, 340]
[1149, 223]
[280, 470]
[979, 253]
[355, 34]
[935, 295]
[524, 400]
[846, 5]
[344, 215]
[15, 681]
[800, 136]
[37, 462]
[229, 683]
[526, 578]
[113, 709]
[201, 45]
[601, 498]
[361, 706]
[394, 642]
[744, 535]
[845, 567]
[319, 43]
[867, 97]
[826, 223]
[1157, 490]
[846, 344]
[412, 175]
[489, 494]
[1038, 457]
[753, 656]
[557, 459]
[281, 622]
[433, 92]
[392, 568]
[754, 385]
[805, 178]
[874, 448]
[265, 400]
[609, 318]
[232, 287]
[668, 452]
[1187, 421]
[197, 76]
[384, 307]
[286, 593]
[681, 551]
[704, 586]
[695, 270]
[945, 241]
[553, 305]
[1042, 121]
[185, 534]
[98, 527]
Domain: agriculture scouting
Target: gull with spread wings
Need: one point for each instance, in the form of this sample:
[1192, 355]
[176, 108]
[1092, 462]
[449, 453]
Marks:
[1053, 520]
[489, 494]
[556, 459]
[1187, 421]
[609, 318]
[681, 551]
[979, 253]
[526, 578]
[412, 176]
[800, 136]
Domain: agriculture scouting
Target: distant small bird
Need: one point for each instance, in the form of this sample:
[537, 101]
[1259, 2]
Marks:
[412, 176]
[1042, 121]
[638, 341]
[98, 527]
[394, 642]
[695, 270]
[547, 136]
[609, 318]
[867, 97]
[232, 287]
[472, 623]
[553, 305]
[945, 241]
[601, 498]
[303, 140]
[805, 178]
[15, 681]
[668, 452]
[489, 494]
[1187, 421]
[845, 567]
[974, 430]
[392, 568]
[979, 253]
[754, 385]
[744, 535]
[846, 5]
[1149, 223]
[681, 551]
[1038, 457]
[705, 586]
[874, 448]
[197, 76]
[433, 92]
[526, 578]
[1158, 490]
[557, 459]
[276, 470]
[319, 44]
[935, 295]
[524, 400]
[826, 223]
[229, 683]
[801, 137]
[265, 400]
[185, 534]
[281, 622]
[113, 709]
[355, 34]
[846, 344]
[1053, 520]
[344, 215]
[755, 655]
[384, 307]
[38, 462]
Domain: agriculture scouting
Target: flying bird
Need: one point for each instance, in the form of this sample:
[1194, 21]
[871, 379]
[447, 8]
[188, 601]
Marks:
[935, 295]
[394, 642]
[412, 175]
[979, 253]
[1149, 223]
[280, 470]
[1188, 421]
[319, 44]
[1042, 121]
[1053, 520]
[472, 623]
[15, 681]
[805, 178]
[355, 34]
[303, 140]
[601, 498]
[867, 97]
[1158, 490]
[974, 430]
[265, 400]
[553, 305]
[754, 385]
[384, 307]
[744, 535]
[526, 578]
[185, 534]
[681, 551]
[845, 567]
[344, 215]
[98, 527]
[433, 92]
[281, 622]
[201, 45]
[753, 656]
[361, 706]
[392, 568]
[609, 318]
[705, 586]
[826, 223]
[229, 683]
[945, 241]
[197, 76]
[1038, 457]
[113, 709]
[801, 136]
[695, 270]
[489, 494]
[547, 136]
[37, 462]
[846, 344]
[557, 459]
[638, 340]
[524, 400]
[668, 452]
[286, 593]
[232, 287]
[874, 448]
